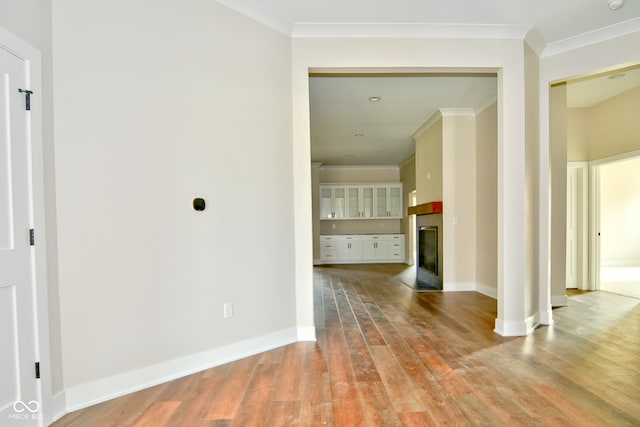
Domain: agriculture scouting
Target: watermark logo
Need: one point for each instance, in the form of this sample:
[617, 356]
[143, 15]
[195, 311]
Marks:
[26, 411]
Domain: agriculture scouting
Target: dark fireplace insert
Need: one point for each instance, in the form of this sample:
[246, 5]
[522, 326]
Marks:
[428, 277]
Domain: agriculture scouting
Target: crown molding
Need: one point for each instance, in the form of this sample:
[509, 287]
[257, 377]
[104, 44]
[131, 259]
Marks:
[430, 122]
[592, 37]
[260, 14]
[481, 107]
[457, 112]
[409, 30]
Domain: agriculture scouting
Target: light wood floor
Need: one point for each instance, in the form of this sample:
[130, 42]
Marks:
[388, 356]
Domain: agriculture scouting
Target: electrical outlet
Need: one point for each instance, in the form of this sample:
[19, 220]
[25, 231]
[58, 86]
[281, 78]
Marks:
[228, 310]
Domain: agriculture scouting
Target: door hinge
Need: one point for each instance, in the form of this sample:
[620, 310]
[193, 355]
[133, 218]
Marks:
[27, 98]
[32, 237]
[37, 370]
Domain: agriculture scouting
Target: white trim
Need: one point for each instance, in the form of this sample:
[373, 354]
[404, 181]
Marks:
[306, 333]
[59, 405]
[517, 328]
[592, 37]
[365, 167]
[546, 317]
[559, 301]
[458, 286]
[583, 232]
[488, 103]
[426, 125]
[84, 395]
[457, 112]
[317, 262]
[33, 64]
[260, 14]
[411, 30]
[487, 291]
[535, 41]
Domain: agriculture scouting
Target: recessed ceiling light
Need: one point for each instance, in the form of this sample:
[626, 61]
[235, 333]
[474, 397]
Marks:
[615, 4]
[375, 98]
[616, 76]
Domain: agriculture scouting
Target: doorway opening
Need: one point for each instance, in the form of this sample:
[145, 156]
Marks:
[616, 255]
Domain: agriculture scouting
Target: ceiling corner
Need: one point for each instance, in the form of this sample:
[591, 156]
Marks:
[260, 14]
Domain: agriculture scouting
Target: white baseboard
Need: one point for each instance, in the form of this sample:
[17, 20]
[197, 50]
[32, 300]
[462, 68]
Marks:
[459, 286]
[59, 403]
[83, 395]
[488, 291]
[517, 328]
[546, 317]
[307, 333]
[559, 300]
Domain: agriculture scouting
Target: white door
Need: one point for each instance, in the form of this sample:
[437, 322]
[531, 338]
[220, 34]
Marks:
[19, 390]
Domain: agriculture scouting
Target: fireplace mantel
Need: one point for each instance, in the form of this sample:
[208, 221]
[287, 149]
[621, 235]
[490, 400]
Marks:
[426, 208]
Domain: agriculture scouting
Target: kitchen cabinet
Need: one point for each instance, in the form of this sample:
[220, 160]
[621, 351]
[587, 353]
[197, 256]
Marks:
[388, 201]
[362, 248]
[333, 202]
[361, 201]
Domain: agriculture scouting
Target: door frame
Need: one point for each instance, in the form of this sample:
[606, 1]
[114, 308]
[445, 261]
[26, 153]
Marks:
[581, 210]
[594, 213]
[33, 67]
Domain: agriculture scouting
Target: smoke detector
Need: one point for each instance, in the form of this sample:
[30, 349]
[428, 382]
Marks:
[615, 4]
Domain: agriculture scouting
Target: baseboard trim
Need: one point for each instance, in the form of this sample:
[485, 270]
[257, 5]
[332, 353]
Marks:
[458, 287]
[84, 395]
[487, 291]
[559, 301]
[517, 328]
[546, 317]
[59, 402]
[307, 333]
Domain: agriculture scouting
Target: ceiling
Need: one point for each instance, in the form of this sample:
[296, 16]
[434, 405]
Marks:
[554, 20]
[348, 129]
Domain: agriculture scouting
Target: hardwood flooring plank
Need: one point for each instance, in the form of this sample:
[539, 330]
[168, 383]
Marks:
[387, 355]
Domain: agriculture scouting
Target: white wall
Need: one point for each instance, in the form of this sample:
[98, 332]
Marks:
[158, 103]
[487, 201]
[459, 199]
[619, 213]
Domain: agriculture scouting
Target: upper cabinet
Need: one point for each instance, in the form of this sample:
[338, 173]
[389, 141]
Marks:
[361, 201]
[333, 202]
[389, 201]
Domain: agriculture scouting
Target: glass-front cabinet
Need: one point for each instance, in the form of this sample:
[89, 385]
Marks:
[360, 201]
[333, 202]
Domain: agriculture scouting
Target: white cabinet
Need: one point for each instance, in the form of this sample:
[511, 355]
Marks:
[389, 201]
[333, 202]
[348, 248]
[361, 201]
[362, 248]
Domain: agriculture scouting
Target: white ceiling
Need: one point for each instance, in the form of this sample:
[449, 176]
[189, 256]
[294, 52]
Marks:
[348, 129]
[339, 105]
[554, 20]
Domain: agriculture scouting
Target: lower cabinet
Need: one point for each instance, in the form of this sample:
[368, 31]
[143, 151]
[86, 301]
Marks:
[362, 248]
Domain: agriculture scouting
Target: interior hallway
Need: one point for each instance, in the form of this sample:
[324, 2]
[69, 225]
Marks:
[387, 355]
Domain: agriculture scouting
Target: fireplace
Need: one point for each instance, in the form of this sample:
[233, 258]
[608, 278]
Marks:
[428, 275]
[428, 251]
[429, 233]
